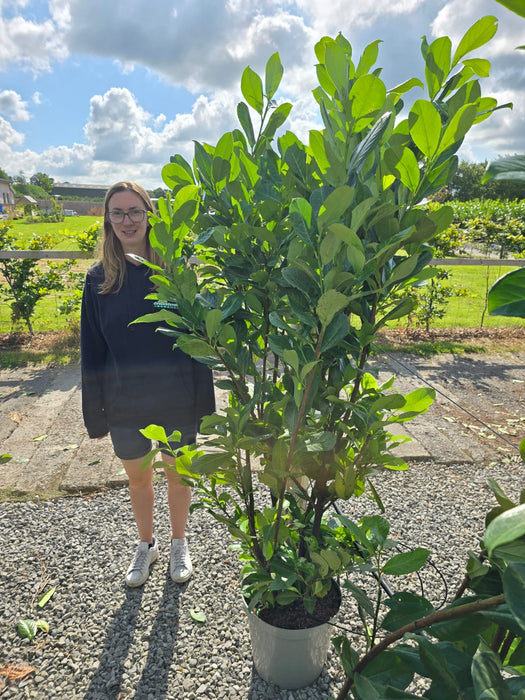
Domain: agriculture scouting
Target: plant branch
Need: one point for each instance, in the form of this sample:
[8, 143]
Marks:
[416, 626]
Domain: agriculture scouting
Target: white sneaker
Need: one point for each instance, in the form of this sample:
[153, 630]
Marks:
[180, 562]
[138, 571]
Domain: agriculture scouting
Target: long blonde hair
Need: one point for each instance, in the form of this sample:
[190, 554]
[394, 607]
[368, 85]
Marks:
[113, 258]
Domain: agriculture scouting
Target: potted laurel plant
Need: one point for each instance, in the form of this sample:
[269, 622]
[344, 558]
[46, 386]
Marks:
[283, 261]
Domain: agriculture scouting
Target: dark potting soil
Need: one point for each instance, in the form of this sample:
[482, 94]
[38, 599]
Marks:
[296, 617]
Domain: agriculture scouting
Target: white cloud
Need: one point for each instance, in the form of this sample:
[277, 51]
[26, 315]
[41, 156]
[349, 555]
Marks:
[13, 106]
[34, 46]
[10, 137]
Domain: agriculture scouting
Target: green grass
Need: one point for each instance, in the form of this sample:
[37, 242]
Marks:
[24, 229]
[467, 312]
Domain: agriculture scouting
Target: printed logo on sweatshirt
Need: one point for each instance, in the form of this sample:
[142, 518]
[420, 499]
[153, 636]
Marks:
[165, 305]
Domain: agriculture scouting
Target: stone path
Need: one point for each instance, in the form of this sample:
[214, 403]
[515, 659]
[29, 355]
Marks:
[41, 425]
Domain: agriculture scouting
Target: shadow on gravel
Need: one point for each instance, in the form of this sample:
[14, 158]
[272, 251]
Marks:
[155, 676]
[108, 677]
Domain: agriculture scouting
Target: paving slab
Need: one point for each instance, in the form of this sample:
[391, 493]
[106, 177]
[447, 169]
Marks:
[41, 423]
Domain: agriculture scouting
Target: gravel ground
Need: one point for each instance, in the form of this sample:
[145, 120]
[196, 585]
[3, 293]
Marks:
[108, 641]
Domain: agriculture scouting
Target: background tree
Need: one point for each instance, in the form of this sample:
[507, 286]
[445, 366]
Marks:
[467, 184]
[43, 180]
[4, 175]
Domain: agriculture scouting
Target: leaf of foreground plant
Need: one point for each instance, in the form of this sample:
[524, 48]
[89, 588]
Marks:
[505, 528]
[198, 616]
[488, 683]
[406, 562]
[514, 587]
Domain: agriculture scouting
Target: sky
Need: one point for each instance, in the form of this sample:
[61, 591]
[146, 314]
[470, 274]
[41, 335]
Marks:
[97, 91]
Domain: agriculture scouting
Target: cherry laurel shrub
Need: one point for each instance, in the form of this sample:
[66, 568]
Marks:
[283, 259]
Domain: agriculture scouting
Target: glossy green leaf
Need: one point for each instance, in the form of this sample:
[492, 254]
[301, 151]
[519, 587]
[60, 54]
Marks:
[486, 677]
[243, 114]
[514, 6]
[337, 66]
[273, 75]
[480, 66]
[277, 119]
[6, 457]
[505, 528]
[406, 167]
[368, 58]
[330, 303]
[252, 89]
[406, 562]
[154, 432]
[479, 34]
[176, 173]
[514, 588]
[437, 64]
[194, 346]
[335, 205]
[405, 607]
[458, 127]
[425, 127]
[337, 330]
[367, 94]
[508, 168]
[507, 295]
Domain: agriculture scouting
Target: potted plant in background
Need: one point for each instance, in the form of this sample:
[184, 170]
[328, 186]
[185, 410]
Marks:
[283, 262]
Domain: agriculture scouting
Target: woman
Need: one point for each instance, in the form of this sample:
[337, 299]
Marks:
[131, 376]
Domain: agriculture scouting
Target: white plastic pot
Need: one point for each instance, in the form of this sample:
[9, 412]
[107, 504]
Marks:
[288, 658]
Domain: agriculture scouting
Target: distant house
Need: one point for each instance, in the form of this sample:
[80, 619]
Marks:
[7, 195]
[29, 203]
[68, 189]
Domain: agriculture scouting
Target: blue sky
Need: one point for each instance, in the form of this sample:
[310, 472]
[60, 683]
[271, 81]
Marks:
[95, 92]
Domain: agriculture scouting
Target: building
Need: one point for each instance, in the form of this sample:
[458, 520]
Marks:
[7, 196]
[68, 189]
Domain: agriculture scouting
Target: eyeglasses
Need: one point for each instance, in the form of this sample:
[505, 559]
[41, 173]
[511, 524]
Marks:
[136, 216]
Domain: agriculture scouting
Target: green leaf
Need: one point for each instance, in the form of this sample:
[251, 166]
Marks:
[42, 625]
[480, 66]
[336, 331]
[27, 629]
[5, 458]
[508, 168]
[243, 114]
[198, 616]
[425, 127]
[213, 322]
[515, 6]
[330, 303]
[194, 346]
[514, 588]
[437, 64]
[522, 449]
[334, 206]
[273, 75]
[154, 432]
[507, 295]
[405, 607]
[403, 163]
[479, 34]
[458, 127]
[505, 528]
[45, 597]
[406, 562]
[368, 94]
[486, 677]
[252, 90]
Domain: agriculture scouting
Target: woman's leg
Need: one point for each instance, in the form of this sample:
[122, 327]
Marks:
[142, 496]
[179, 499]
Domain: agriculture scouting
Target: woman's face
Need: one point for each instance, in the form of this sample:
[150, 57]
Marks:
[131, 232]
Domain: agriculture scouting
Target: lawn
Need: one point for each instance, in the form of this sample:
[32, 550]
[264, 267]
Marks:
[467, 311]
[62, 229]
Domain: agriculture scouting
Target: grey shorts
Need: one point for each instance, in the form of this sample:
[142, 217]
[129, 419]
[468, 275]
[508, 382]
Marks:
[130, 443]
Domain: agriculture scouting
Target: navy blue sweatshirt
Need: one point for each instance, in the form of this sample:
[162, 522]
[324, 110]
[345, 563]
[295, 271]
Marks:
[131, 376]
